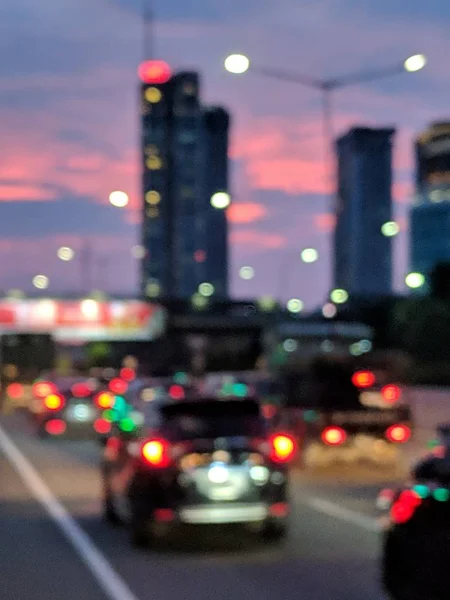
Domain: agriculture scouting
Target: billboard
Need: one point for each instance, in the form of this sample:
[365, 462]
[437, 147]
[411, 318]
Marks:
[83, 320]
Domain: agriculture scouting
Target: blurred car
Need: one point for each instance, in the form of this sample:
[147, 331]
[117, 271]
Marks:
[416, 540]
[357, 417]
[198, 462]
[69, 408]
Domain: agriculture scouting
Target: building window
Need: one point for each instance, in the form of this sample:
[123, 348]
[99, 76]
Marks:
[153, 197]
[154, 163]
[153, 95]
[152, 212]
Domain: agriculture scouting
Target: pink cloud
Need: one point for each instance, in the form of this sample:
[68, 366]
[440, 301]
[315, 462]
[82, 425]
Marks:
[257, 239]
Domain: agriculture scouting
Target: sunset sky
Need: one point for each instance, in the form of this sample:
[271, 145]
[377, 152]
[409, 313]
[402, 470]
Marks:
[69, 125]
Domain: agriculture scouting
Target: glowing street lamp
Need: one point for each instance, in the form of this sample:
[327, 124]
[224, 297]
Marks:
[295, 305]
[414, 280]
[65, 253]
[339, 296]
[246, 273]
[237, 64]
[119, 199]
[415, 63]
[390, 229]
[138, 252]
[309, 255]
[41, 282]
[220, 200]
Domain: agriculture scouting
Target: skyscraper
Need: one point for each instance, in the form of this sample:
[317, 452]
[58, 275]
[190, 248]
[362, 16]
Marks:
[362, 254]
[430, 214]
[185, 161]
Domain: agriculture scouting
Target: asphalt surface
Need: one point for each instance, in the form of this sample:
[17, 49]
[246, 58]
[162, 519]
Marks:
[331, 552]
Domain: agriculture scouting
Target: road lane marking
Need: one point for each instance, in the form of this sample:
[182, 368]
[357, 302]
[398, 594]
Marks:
[109, 581]
[344, 514]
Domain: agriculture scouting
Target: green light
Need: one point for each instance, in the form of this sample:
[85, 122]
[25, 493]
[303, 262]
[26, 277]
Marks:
[441, 495]
[109, 415]
[127, 425]
[422, 491]
[180, 378]
[240, 390]
[433, 444]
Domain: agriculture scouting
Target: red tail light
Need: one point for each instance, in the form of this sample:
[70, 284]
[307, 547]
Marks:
[118, 386]
[391, 393]
[283, 448]
[41, 389]
[269, 411]
[104, 400]
[81, 390]
[54, 402]
[176, 392]
[15, 391]
[405, 506]
[127, 374]
[55, 427]
[156, 453]
[333, 436]
[363, 379]
[398, 434]
[102, 426]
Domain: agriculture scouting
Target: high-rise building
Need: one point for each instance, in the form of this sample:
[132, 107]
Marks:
[430, 214]
[185, 156]
[362, 253]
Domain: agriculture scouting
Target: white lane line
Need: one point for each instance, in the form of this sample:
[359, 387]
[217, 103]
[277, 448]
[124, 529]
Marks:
[344, 514]
[109, 581]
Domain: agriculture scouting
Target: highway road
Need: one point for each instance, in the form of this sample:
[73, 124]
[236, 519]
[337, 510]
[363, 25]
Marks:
[55, 544]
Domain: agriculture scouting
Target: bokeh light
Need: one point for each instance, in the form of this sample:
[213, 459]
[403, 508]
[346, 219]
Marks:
[119, 199]
[246, 273]
[65, 253]
[415, 63]
[309, 255]
[206, 289]
[220, 200]
[41, 282]
[390, 229]
[237, 64]
[414, 280]
[295, 305]
[329, 310]
[138, 252]
[339, 296]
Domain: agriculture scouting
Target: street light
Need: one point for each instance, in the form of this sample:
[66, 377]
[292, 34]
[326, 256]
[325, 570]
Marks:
[414, 280]
[41, 282]
[119, 199]
[390, 229]
[309, 255]
[246, 273]
[65, 253]
[240, 63]
[220, 200]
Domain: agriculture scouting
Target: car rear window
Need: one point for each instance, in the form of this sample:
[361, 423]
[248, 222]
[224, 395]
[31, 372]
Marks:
[212, 419]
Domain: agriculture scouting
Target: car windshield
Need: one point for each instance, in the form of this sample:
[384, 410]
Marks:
[212, 419]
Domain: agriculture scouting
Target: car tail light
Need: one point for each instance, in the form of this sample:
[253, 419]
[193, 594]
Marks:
[164, 515]
[55, 427]
[155, 452]
[41, 389]
[176, 392]
[81, 390]
[391, 393]
[283, 447]
[15, 391]
[269, 411]
[405, 506]
[333, 436]
[127, 374]
[398, 434]
[363, 379]
[102, 426]
[54, 402]
[280, 509]
[104, 400]
[118, 386]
